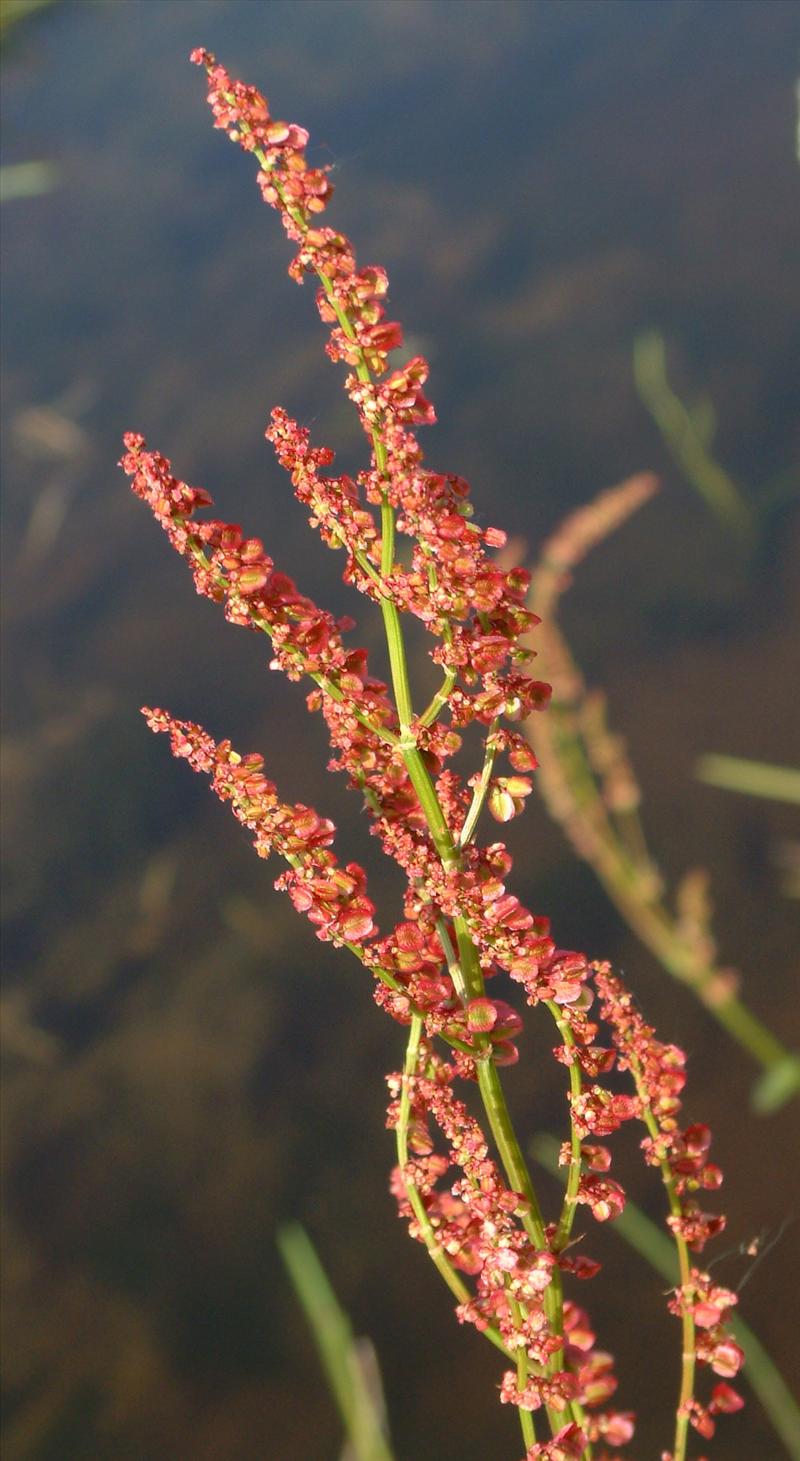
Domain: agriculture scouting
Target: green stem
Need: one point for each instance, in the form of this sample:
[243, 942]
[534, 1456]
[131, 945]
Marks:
[437, 1254]
[361, 558]
[688, 1346]
[570, 1205]
[442, 695]
[523, 1370]
[439, 700]
[505, 1137]
[451, 1277]
[752, 778]
[397, 663]
[331, 688]
[429, 801]
[519, 1179]
[453, 966]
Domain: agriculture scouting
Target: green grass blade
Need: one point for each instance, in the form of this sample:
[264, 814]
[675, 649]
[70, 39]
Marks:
[687, 438]
[358, 1400]
[751, 778]
[26, 180]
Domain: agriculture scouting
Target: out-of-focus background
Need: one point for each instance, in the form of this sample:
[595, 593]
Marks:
[185, 1065]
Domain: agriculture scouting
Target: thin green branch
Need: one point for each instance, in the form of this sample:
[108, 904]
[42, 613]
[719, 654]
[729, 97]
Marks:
[569, 1207]
[751, 778]
[442, 695]
[678, 427]
[514, 1163]
[439, 700]
[446, 1269]
[481, 790]
[451, 1276]
[688, 1333]
[647, 1239]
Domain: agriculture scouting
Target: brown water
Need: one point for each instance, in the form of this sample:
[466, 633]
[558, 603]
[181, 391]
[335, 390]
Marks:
[186, 1065]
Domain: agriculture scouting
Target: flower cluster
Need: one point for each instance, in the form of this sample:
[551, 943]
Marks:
[660, 1075]
[477, 1220]
[682, 1155]
[462, 924]
[451, 577]
[235, 571]
[333, 898]
[710, 1305]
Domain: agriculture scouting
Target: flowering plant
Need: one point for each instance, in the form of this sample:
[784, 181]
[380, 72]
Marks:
[462, 1184]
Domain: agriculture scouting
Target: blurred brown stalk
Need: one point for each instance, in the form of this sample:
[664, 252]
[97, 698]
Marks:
[590, 789]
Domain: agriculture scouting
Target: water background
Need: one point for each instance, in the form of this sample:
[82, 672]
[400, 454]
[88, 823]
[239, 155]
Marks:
[186, 1065]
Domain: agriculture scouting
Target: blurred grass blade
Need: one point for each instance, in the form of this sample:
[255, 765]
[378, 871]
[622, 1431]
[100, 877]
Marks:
[26, 180]
[687, 435]
[13, 11]
[760, 1371]
[350, 1364]
[776, 1086]
[751, 778]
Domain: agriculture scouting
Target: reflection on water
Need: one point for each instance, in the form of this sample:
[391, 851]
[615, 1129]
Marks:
[186, 1065]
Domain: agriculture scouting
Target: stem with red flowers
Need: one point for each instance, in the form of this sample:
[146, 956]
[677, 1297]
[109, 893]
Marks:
[489, 1227]
[489, 1083]
[688, 1345]
[491, 1090]
[435, 1251]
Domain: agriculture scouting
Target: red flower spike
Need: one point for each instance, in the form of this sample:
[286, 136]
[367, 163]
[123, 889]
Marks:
[333, 898]
[476, 614]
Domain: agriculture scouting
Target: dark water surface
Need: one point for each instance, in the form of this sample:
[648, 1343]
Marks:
[186, 1065]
